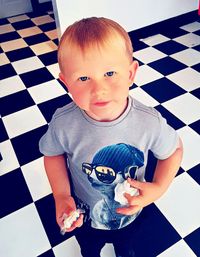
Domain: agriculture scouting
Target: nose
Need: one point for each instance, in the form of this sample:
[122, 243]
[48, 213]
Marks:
[99, 89]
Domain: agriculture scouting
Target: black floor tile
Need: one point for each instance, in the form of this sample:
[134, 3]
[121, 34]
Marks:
[20, 54]
[49, 58]
[195, 173]
[49, 253]
[9, 36]
[7, 71]
[17, 101]
[36, 77]
[193, 241]
[167, 65]
[196, 126]
[196, 93]
[14, 192]
[23, 24]
[49, 107]
[26, 145]
[36, 39]
[171, 119]
[47, 26]
[163, 90]
[170, 47]
[156, 233]
[3, 133]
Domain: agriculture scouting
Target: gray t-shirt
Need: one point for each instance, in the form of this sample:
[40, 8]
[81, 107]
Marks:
[100, 155]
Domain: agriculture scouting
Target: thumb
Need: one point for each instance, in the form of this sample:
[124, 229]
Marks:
[135, 183]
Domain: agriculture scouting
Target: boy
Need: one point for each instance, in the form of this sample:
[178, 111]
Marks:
[105, 135]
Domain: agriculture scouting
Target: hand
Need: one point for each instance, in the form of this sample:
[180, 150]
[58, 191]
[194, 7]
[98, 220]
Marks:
[148, 193]
[66, 204]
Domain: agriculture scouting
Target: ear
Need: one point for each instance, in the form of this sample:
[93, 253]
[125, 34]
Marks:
[61, 77]
[132, 71]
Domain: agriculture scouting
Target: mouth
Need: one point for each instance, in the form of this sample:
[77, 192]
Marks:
[101, 104]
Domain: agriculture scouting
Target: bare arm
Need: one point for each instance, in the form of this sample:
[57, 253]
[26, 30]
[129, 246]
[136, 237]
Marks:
[165, 171]
[58, 177]
[57, 174]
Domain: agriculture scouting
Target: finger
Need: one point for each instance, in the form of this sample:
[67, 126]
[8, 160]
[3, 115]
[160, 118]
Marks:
[60, 221]
[132, 200]
[135, 183]
[130, 210]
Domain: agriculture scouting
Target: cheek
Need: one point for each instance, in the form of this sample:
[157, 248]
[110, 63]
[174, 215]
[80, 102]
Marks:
[80, 97]
[120, 87]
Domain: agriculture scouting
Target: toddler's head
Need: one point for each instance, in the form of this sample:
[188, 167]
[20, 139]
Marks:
[92, 32]
[96, 64]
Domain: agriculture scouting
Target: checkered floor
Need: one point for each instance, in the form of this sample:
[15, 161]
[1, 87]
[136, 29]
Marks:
[168, 79]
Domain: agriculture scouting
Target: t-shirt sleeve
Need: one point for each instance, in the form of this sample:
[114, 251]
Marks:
[49, 144]
[166, 141]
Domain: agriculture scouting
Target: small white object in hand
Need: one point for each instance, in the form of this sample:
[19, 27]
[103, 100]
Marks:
[69, 219]
[122, 188]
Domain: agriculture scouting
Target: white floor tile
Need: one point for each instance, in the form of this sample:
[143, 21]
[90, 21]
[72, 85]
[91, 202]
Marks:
[52, 34]
[69, 247]
[179, 249]
[155, 40]
[191, 144]
[23, 234]
[54, 70]
[183, 79]
[44, 47]
[108, 250]
[186, 107]
[146, 74]
[23, 121]
[11, 85]
[6, 28]
[29, 31]
[191, 27]
[13, 45]
[28, 64]
[9, 161]
[189, 57]
[18, 18]
[36, 179]
[42, 20]
[4, 59]
[188, 40]
[72, 248]
[143, 97]
[148, 55]
[179, 204]
[46, 91]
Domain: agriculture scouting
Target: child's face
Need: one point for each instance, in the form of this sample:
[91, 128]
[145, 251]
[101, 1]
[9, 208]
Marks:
[99, 79]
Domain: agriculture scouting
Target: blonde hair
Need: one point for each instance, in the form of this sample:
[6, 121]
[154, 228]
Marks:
[91, 32]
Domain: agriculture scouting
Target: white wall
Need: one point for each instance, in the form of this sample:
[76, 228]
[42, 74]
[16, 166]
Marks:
[14, 7]
[131, 14]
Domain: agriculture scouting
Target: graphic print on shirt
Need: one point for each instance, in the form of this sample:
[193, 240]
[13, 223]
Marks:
[111, 166]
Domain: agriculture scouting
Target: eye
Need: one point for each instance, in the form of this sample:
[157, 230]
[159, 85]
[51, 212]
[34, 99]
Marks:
[109, 73]
[84, 78]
